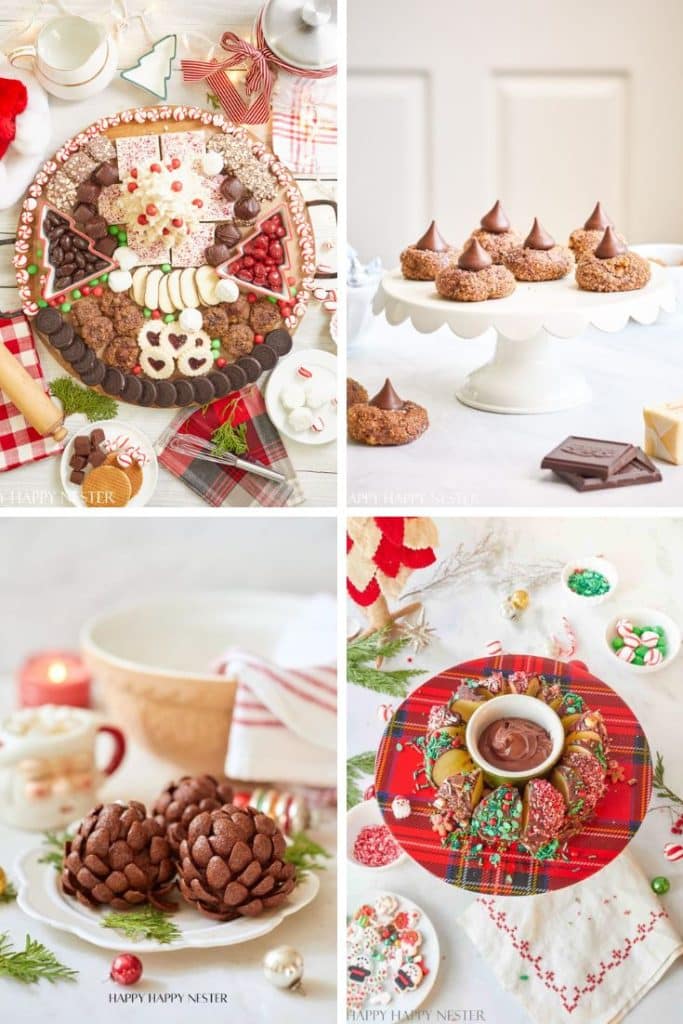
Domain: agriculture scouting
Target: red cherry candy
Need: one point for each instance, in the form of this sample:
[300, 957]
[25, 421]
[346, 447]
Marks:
[85, 290]
[133, 172]
[177, 186]
[142, 219]
[98, 290]
[177, 222]
[156, 314]
[220, 362]
[175, 163]
[137, 370]
[156, 168]
[132, 185]
[258, 339]
[126, 969]
[198, 203]
[251, 297]
[151, 210]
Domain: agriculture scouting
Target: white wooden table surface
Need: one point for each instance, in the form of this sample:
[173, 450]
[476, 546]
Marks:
[37, 484]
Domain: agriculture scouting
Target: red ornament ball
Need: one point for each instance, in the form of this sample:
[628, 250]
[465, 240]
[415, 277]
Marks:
[126, 969]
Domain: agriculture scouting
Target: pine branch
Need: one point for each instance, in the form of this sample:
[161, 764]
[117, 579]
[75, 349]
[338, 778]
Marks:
[356, 767]
[376, 647]
[658, 784]
[33, 963]
[54, 843]
[77, 399]
[145, 923]
[305, 854]
[9, 894]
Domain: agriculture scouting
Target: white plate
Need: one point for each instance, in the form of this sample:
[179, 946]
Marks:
[40, 896]
[112, 429]
[284, 374]
[404, 1003]
[366, 813]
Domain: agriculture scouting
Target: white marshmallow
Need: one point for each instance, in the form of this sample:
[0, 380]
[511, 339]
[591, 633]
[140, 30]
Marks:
[318, 393]
[300, 419]
[126, 257]
[293, 396]
[120, 280]
[227, 291]
[212, 163]
[191, 320]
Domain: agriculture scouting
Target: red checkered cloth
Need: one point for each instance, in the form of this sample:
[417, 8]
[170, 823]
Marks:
[222, 485]
[19, 442]
[304, 124]
[616, 820]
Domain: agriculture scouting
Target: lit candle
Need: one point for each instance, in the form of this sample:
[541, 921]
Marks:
[54, 677]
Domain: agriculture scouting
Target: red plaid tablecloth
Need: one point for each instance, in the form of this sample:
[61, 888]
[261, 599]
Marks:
[20, 443]
[618, 815]
[222, 485]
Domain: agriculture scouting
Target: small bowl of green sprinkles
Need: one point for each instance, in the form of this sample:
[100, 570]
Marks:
[590, 580]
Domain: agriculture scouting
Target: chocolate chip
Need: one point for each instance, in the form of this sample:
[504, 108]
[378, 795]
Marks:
[280, 340]
[75, 351]
[266, 356]
[221, 384]
[149, 393]
[113, 381]
[132, 389]
[184, 392]
[251, 367]
[236, 376]
[166, 393]
[203, 390]
[49, 320]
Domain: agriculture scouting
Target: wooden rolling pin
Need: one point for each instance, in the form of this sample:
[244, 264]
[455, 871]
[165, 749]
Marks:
[27, 394]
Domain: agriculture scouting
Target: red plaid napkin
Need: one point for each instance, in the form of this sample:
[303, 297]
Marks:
[223, 485]
[20, 443]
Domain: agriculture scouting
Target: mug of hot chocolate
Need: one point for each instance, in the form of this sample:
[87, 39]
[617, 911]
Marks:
[514, 738]
[49, 771]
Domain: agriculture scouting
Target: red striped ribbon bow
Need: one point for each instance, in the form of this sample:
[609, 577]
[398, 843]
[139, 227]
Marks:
[259, 79]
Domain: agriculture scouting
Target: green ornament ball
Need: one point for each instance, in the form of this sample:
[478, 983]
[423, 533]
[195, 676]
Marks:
[660, 885]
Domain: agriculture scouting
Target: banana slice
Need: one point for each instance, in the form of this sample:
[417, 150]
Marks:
[206, 280]
[152, 288]
[174, 289]
[139, 283]
[165, 303]
[188, 290]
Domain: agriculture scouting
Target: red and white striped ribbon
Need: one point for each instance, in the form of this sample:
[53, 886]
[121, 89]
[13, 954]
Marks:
[259, 79]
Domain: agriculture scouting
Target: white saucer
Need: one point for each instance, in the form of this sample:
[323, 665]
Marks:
[284, 374]
[112, 429]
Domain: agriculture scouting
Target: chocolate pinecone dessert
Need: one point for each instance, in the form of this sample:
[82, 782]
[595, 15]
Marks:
[119, 857]
[183, 800]
[231, 864]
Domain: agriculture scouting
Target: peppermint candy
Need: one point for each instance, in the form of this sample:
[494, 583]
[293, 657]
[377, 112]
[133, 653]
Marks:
[626, 653]
[624, 628]
[673, 851]
[653, 657]
[649, 638]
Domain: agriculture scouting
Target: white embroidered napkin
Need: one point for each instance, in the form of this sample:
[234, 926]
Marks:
[586, 954]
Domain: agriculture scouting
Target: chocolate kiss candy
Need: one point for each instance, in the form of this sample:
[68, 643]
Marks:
[538, 238]
[598, 220]
[474, 257]
[495, 220]
[432, 240]
[610, 245]
[387, 398]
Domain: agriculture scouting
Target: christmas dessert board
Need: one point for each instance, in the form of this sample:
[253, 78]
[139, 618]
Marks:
[392, 954]
[511, 836]
[165, 256]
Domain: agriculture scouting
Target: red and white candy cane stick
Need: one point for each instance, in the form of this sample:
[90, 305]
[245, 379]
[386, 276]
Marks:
[494, 648]
[673, 851]
[564, 648]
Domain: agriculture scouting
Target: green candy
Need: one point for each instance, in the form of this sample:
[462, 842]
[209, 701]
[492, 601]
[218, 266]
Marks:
[638, 630]
[39, 253]
[169, 318]
[660, 885]
[292, 291]
[659, 629]
[42, 303]
[641, 651]
[32, 269]
[76, 294]
[123, 238]
[147, 313]
[166, 267]
[94, 281]
[617, 643]
[638, 660]
[113, 230]
[271, 298]
[215, 343]
[65, 307]
[104, 278]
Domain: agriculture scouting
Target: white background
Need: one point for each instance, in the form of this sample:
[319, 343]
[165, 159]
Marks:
[648, 555]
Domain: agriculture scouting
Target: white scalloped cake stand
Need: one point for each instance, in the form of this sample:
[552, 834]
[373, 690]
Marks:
[527, 373]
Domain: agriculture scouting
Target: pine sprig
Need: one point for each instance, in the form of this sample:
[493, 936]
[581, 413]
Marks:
[32, 963]
[9, 894]
[658, 784]
[54, 843]
[356, 767]
[228, 437]
[376, 647]
[77, 399]
[145, 923]
[305, 854]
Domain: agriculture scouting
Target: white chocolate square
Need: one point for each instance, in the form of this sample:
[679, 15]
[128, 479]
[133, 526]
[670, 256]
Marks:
[664, 432]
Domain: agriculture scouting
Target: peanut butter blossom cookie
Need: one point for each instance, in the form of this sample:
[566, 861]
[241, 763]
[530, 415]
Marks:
[495, 233]
[475, 277]
[422, 261]
[386, 419]
[355, 392]
[586, 239]
[540, 258]
[612, 267]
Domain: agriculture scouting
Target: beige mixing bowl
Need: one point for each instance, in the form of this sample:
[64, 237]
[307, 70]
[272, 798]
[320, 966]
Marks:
[152, 662]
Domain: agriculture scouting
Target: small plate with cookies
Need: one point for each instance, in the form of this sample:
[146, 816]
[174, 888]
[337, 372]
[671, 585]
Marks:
[109, 464]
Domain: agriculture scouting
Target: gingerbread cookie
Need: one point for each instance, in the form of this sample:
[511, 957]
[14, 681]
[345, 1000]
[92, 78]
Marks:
[612, 268]
[584, 240]
[355, 393]
[386, 419]
[422, 261]
[495, 234]
[475, 277]
[539, 258]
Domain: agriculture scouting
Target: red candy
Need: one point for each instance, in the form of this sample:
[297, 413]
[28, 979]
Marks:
[197, 202]
[175, 163]
[85, 290]
[251, 297]
[156, 314]
[98, 290]
[151, 210]
[155, 167]
[137, 370]
[132, 185]
[177, 186]
[177, 222]
[142, 219]
[220, 362]
[133, 172]
[126, 969]
[375, 846]
[258, 339]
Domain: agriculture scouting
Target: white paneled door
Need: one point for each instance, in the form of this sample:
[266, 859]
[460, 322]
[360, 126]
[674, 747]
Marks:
[547, 106]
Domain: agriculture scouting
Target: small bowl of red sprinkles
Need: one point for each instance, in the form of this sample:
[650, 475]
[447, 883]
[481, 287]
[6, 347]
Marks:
[369, 843]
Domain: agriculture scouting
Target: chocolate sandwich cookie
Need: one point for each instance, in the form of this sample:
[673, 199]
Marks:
[95, 375]
[62, 337]
[251, 367]
[495, 234]
[113, 381]
[236, 376]
[166, 393]
[48, 320]
[423, 260]
[265, 355]
[221, 384]
[149, 393]
[540, 258]
[184, 392]
[85, 363]
[203, 390]
[280, 340]
[612, 267]
[132, 389]
[75, 351]
[386, 419]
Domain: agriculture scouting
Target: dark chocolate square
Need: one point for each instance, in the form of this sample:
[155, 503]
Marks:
[589, 456]
[641, 470]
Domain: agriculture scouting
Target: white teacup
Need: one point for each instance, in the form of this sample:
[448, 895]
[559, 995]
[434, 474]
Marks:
[72, 58]
[48, 770]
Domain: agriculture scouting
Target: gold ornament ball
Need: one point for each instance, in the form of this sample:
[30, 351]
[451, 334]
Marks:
[520, 600]
[3, 882]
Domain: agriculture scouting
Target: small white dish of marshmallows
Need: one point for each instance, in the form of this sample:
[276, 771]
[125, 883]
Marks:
[301, 396]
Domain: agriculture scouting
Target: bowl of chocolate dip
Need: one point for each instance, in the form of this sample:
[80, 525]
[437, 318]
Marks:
[514, 738]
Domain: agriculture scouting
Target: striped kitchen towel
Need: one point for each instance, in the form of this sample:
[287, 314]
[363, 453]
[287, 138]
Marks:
[304, 123]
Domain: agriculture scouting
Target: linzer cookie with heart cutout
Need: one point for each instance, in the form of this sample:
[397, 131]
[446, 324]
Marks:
[167, 245]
